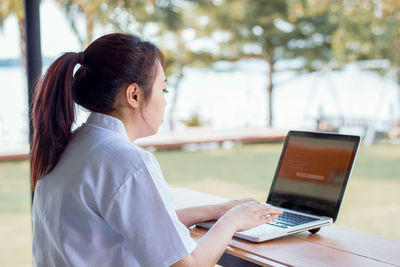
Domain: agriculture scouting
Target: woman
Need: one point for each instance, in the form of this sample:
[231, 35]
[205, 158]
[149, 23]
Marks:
[99, 199]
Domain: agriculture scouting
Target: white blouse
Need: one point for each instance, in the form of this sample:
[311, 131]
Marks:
[106, 203]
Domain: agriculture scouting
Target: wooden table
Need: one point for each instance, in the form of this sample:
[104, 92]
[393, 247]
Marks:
[332, 246]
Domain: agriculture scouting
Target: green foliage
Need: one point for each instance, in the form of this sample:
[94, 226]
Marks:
[15, 8]
[276, 29]
[11, 8]
[93, 13]
[272, 30]
[173, 29]
[368, 30]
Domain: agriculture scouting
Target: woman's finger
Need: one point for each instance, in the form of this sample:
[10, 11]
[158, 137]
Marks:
[269, 218]
[266, 209]
[252, 203]
[245, 199]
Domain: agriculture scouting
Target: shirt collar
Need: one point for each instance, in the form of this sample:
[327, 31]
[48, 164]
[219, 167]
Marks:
[107, 122]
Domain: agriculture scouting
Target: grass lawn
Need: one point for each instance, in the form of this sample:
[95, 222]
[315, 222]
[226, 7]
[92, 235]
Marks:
[372, 195]
[15, 218]
[371, 199]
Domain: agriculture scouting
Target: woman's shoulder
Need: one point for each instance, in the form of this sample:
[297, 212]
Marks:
[121, 153]
[108, 166]
[123, 157]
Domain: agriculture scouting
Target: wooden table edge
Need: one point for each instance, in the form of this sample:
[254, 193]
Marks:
[346, 251]
[245, 255]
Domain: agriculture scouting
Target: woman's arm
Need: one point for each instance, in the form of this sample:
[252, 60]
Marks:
[213, 244]
[192, 215]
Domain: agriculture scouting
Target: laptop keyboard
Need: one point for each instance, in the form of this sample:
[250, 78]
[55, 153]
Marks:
[288, 219]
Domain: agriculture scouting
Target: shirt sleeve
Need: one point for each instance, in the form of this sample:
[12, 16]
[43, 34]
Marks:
[152, 234]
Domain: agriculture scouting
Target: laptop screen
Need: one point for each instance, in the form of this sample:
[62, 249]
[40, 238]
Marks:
[313, 172]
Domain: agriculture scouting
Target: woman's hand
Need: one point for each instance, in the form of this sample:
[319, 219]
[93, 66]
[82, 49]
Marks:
[222, 208]
[192, 215]
[234, 216]
[250, 214]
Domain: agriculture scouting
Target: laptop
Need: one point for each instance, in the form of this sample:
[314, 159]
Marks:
[308, 185]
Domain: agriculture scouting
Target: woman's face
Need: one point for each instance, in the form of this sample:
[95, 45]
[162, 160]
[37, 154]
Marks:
[153, 111]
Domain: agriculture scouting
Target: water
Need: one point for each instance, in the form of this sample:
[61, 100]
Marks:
[237, 98]
[14, 127]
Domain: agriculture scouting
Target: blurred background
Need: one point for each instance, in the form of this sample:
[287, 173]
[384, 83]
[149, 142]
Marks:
[241, 73]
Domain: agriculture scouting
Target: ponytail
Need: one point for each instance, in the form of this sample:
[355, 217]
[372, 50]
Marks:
[52, 115]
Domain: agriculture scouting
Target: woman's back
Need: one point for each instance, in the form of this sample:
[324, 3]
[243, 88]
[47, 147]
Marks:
[77, 208]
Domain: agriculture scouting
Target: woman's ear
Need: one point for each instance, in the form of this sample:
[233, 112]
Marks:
[133, 95]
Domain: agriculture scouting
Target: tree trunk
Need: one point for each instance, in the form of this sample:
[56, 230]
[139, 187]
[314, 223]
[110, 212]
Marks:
[175, 100]
[89, 30]
[398, 87]
[22, 42]
[271, 62]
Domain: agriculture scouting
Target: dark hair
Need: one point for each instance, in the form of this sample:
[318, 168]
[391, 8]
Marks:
[108, 65]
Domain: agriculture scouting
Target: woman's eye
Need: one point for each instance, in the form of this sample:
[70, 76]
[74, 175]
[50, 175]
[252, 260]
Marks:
[165, 91]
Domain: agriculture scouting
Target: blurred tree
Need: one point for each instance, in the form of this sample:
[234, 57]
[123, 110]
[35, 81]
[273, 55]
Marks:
[178, 31]
[272, 30]
[171, 25]
[15, 8]
[367, 30]
[90, 13]
[165, 21]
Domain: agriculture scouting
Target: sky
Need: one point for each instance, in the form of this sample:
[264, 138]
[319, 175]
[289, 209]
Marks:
[56, 35]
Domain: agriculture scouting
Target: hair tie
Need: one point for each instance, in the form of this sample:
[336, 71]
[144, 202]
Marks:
[81, 57]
